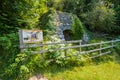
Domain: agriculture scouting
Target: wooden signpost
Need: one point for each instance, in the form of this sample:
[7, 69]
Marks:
[30, 37]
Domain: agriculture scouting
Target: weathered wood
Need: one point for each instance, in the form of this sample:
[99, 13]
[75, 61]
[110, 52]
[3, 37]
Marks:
[90, 51]
[22, 46]
[72, 47]
[100, 55]
[41, 54]
[64, 48]
[80, 46]
[68, 42]
[63, 42]
[53, 43]
[100, 48]
[65, 51]
[80, 49]
[112, 43]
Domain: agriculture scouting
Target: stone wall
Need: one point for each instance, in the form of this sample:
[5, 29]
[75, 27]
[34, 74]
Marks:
[63, 22]
[57, 23]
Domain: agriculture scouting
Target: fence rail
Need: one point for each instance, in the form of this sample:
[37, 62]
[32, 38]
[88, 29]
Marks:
[101, 46]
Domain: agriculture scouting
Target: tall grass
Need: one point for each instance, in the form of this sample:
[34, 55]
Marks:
[102, 71]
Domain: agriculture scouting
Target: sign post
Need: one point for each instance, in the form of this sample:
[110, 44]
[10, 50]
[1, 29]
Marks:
[31, 36]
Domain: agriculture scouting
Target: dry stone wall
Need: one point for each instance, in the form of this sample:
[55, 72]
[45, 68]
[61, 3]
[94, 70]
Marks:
[63, 22]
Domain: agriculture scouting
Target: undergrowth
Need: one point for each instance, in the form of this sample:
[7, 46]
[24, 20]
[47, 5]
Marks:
[25, 64]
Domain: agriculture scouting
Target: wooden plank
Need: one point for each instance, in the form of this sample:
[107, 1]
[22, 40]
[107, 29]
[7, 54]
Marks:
[100, 55]
[90, 57]
[44, 51]
[77, 41]
[100, 48]
[63, 42]
[118, 40]
[41, 54]
[84, 52]
[22, 46]
[72, 47]
[94, 44]
[112, 43]
[80, 50]
[53, 43]
[67, 42]
[58, 49]
[65, 51]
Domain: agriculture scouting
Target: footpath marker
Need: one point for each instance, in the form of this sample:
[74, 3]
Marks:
[33, 37]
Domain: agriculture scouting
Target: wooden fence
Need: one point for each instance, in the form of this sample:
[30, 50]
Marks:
[102, 47]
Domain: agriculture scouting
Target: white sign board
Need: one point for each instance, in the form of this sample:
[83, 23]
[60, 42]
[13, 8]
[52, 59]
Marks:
[31, 36]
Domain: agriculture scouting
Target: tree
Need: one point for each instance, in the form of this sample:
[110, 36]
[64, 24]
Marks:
[101, 18]
[15, 15]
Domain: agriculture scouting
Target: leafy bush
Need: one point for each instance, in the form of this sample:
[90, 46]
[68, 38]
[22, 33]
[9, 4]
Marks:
[117, 9]
[24, 66]
[101, 19]
[17, 68]
[77, 28]
[55, 57]
[9, 47]
[46, 23]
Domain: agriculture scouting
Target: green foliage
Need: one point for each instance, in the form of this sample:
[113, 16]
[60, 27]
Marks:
[75, 7]
[14, 16]
[18, 14]
[23, 66]
[77, 29]
[46, 23]
[101, 19]
[118, 37]
[117, 9]
[78, 7]
[9, 47]
[16, 68]
[55, 57]
[35, 10]
[56, 4]
[21, 13]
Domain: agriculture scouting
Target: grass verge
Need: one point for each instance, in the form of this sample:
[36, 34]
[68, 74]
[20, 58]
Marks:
[102, 71]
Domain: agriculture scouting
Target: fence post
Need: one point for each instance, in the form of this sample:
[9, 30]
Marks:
[41, 53]
[22, 45]
[65, 50]
[80, 49]
[100, 48]
[112, 45]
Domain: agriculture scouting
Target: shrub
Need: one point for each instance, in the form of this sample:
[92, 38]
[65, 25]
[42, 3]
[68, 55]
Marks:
[46, 23]
[77, 29]
[101, 19]
[16, 68]
[23, 66]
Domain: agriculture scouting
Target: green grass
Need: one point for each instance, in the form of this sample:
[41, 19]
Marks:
[102, 71]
